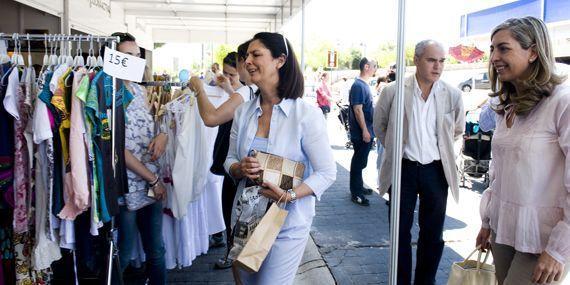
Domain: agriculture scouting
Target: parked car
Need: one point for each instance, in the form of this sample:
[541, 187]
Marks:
[479, 81]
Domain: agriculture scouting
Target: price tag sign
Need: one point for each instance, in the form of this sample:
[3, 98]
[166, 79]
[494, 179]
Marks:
[123, 66]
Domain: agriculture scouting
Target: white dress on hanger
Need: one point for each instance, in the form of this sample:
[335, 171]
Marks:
[188, 237]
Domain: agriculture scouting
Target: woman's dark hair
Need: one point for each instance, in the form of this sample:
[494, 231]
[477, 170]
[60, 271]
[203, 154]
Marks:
[291, 82]
[231, 59]
[242, 50]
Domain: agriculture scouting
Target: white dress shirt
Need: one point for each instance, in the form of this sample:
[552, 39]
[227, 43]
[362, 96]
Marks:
[422, 136]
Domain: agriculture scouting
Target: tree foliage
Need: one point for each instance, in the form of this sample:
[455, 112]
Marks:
[221, 51]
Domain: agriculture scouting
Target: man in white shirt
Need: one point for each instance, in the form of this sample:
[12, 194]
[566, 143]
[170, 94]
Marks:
[433, 120]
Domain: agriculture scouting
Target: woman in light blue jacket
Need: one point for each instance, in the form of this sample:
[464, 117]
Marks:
[280, 122]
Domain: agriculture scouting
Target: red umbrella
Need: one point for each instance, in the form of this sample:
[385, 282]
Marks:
[466, 53]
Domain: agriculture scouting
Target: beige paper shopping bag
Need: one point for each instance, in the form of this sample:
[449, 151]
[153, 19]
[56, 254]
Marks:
[262, 239]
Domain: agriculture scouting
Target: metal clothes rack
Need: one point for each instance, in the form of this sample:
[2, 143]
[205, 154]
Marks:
[113, 254]
[163, 83]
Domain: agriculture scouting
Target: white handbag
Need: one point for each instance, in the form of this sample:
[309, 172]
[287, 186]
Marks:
[473, 272]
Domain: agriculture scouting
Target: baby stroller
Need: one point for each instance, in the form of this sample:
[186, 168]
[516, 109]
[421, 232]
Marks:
[476, 151]
[343, 117]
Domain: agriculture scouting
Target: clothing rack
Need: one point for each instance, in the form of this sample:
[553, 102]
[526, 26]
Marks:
[56, 37]
[163, 83]
[113, 260]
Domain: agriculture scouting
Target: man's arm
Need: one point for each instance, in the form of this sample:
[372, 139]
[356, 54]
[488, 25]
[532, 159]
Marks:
[359, 115]
[382, 114]
[459, 118]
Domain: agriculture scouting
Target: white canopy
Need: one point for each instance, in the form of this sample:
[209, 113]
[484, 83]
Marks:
[182, 21]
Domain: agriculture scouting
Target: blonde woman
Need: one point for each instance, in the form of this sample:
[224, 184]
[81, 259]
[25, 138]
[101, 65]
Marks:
[526, 210]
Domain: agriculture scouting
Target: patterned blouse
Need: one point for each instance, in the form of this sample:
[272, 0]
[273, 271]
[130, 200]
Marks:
[139, 132]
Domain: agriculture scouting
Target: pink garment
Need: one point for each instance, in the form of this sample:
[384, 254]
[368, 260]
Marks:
[323, 93]
[528, 201]
[21, 163]
[76, 183]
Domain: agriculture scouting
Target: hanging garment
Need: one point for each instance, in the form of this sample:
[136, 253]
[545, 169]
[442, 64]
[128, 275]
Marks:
[45, 250]
[21, 157]
[191, 164]
[187, 237]
[6, 144]
[46, 130]
[77, 193]
[99, 107]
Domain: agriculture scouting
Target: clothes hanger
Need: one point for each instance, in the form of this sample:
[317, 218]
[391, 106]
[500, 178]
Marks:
[17, 58]
[4, 58]
[100, 57]
[91, 59]
[61, 55]
[52, 56]
[30, 64]
[14, 58]
[45, 62]
[69, 60]
[78, 60]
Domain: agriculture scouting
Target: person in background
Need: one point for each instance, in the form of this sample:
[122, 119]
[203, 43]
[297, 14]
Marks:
[525, 211]
[142, 149]
[324, 97]
[212, 74]
[392, 73]
[380, 84]
[361, 134]
[280, 122]
[433, 121]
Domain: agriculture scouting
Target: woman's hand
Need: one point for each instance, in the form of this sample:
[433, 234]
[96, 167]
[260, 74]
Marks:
[484, 238]
[195, 84]
[224, 83]
[547, 269]
[159, 191]
[274, 193]
[158, 145]
[250, 167]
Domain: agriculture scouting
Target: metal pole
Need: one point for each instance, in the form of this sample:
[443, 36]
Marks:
[65, 27]
[302, 35]
[397, 162]
[111, 241]
[38, 37]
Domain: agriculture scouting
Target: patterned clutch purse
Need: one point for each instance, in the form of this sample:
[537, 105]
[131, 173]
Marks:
[280, 171]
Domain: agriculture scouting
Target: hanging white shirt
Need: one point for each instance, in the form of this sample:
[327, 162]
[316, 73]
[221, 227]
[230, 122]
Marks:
[422, 131]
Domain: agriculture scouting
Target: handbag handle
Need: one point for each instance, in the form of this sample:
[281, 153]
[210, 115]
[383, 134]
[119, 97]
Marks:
[479, 263]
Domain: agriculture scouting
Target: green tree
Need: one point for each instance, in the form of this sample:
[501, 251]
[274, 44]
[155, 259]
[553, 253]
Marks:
[385, 54]
[355, 57]
[221, 51]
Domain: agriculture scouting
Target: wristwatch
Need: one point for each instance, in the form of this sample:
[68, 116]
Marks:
[293, 195]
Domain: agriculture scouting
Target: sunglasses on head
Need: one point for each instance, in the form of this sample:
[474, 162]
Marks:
[124, 37]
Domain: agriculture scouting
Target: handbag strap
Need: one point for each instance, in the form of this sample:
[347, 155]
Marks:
[479, 263]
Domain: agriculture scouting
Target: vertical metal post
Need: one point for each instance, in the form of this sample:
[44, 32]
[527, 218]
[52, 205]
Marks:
[65, 27]
[397, 162]
[111, 241]
[302, 35]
